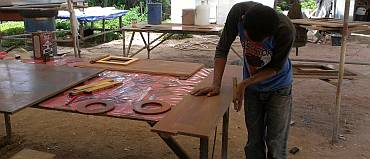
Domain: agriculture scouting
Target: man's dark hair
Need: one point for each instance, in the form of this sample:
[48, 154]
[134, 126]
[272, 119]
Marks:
[260, 22]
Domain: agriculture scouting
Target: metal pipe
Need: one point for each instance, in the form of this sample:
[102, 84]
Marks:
[124, 43]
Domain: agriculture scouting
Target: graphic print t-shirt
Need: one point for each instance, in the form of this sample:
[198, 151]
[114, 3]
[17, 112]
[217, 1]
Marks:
[258, 56]
[272, 53]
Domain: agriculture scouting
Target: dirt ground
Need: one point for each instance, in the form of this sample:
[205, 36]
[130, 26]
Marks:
[74, 136]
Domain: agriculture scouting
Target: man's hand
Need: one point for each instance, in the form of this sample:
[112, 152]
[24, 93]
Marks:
[239, 97]
[208, 91]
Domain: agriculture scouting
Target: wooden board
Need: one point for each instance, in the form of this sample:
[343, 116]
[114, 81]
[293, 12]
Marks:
[183, 70]
[23, 85]
[211, 29]
[328, 23]
[198, 115]
[319, 71]
[117, 60]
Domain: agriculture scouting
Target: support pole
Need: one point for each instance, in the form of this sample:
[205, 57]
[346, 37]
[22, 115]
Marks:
[343, 50]
[74, 30]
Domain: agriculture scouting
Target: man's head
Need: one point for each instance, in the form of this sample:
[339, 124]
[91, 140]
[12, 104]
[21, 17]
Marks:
[260, 22]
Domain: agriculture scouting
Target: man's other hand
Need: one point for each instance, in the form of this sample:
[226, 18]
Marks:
[206, 91]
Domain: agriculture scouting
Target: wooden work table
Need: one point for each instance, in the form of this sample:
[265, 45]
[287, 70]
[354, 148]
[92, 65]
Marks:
[197, 116]
[193, 116]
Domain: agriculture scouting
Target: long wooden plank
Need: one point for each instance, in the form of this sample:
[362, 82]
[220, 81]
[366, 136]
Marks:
[160, 67]
[325, 24]
[211, 29]
[198, 115]
[23, 85]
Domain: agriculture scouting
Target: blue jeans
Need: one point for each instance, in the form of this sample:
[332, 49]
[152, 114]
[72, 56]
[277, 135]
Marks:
[267, 116]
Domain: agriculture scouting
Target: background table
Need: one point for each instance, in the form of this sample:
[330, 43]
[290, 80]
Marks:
[167, 30]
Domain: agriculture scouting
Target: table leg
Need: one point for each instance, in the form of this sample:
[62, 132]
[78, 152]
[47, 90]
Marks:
[8, 128]
[296, 51]
[142, 37]
[130, 44]
[203, 148]
[120, 22]
[104, 35]
[148, 47]
[174, 146]
[124, 43]
[225, 134]
[165, 39]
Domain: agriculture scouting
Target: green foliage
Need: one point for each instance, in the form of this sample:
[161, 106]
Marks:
[284, 5]
[309, 4]
[134, 14]
[63, 24]
[11, 28]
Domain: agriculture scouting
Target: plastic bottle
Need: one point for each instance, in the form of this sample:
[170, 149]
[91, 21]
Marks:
[202, 14]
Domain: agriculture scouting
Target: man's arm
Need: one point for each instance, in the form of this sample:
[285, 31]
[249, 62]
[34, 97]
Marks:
[218, 71]
[228, 36]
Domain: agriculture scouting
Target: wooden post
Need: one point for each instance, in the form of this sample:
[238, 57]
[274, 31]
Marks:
[334, 8]
[74, 30]
[343, 50]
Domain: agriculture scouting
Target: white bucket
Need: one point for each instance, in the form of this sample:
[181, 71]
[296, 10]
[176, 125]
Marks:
[202, 14]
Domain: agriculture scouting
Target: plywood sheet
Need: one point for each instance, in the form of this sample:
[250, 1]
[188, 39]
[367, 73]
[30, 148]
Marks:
[23, 85]
[198, 115]
[160, 67]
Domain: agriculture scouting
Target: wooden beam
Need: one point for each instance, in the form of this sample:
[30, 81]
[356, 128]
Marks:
[343, 50]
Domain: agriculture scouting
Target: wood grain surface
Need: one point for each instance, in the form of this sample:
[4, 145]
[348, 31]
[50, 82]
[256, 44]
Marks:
[328, 23]
[211, 29]
[23, 85]
[198, 115]
[183, 70]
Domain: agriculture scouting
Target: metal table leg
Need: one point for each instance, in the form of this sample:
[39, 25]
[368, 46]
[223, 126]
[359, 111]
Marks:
[225, 134]
[175, 147]
[130, 44]
[120, 22]
[8, 128]
[148, 46]
[296, 51]
[124, 43]
[142, 37]
[104, 35]
[203, 148]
